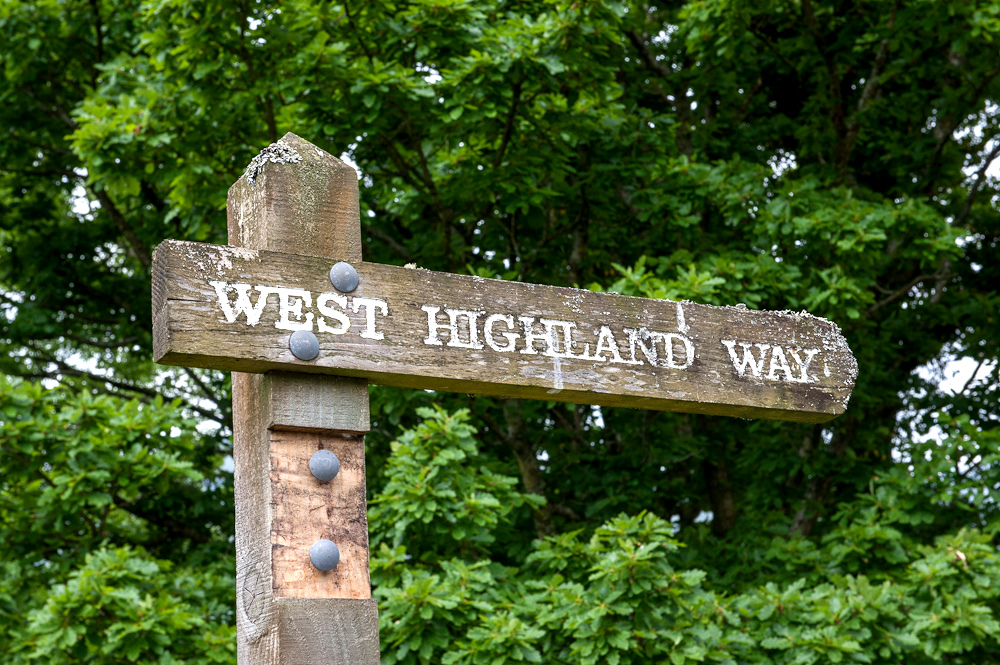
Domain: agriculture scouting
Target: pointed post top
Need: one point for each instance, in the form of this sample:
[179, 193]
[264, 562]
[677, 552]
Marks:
[299, 199]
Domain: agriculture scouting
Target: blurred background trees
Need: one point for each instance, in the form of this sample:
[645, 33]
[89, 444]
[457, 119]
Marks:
[788, 154]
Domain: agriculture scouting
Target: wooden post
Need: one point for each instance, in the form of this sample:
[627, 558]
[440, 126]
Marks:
[296, 198]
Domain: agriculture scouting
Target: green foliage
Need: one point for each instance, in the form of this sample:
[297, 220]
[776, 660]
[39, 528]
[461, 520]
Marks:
[832, 157]
[870, 592]
[426, 501]
[96, 498]
[121, 606]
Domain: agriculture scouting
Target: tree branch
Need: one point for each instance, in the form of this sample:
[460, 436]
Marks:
[872, 89]
[946, 126]
[99, 382]
[566, 511]
[272, 128]
[163, 521]
[356, 31]
[135, 246]
[746, 102]
[770, 46]
[973, 377]
[508, 124]
[639, 42]
[56, 111]
[980, 179]
[388, 240]
[204, 389]
[649, 60]
[833, 75]
[527, 461]
[99, 29]
[571, 427]
[899, 293]
[128, 341]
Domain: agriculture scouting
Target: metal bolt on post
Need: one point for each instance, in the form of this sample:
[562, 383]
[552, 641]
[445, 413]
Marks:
[324, 554]
[324, 465]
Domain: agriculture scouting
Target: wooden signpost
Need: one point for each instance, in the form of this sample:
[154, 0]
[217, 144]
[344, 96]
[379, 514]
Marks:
[303, 342]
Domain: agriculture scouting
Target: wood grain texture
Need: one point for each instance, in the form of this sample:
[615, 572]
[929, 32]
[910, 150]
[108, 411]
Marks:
[192, 329]
[256, 615]
[311, 402]
[330, 631]
[304, 510]
[296, 192]
[308, 206]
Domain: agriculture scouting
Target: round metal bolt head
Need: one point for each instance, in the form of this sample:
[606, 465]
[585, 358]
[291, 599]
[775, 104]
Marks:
[324, 465]
[304, 345]
[324, 554]
[344, 277]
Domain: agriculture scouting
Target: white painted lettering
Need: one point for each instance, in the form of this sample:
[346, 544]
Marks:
[530, 336]
[432, 326]
[455, 340]
[322, 304]
[511, 337]
[668, 342]
[553, 343]
[756, 366]
[286, 308]
[606, 342]
[371, 305]
[243, 306]
[503, 333]
[779, 364]
[804, 364]
[636, 338]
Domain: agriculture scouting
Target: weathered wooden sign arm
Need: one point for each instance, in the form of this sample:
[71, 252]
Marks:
[291, 301]
[235, 309]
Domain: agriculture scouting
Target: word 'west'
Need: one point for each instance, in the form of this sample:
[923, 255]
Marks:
[506, 333]
[290, 304]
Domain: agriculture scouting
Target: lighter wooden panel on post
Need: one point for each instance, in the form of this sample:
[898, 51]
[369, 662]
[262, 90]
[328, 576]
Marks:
[235, 309]
[304, 510]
